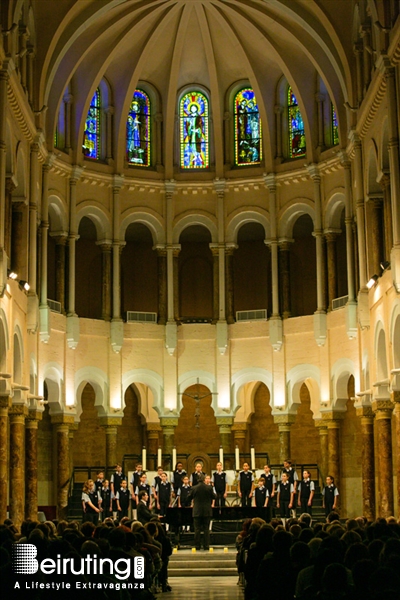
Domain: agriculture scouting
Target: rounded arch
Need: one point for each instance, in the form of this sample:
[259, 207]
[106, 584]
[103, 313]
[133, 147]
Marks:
[152, 380]
[101, 220]
[250, 377]
[18, 355]
[20, 193]
[146, 402]
[394, 336]
[148, 218]
[241, 217]
[99, 382]
[289, 216]
[372, 169]
[57, 213]
[310, 375]
[341, 371]
[4, 347]
[199, 218]
[334, 208]
[203, 378]
[382, 373]
[53, 377]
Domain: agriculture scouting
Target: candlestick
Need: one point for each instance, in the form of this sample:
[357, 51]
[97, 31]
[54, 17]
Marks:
[237, 458]
[253, 458]
[173, 457]
[159, 457]
[221, 456]
[144, 458]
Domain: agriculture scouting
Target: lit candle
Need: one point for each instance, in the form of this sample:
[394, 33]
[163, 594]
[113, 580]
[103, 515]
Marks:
[237, 458]
[225, 549]
[193, 550]
[253, 458]
[221, 456]
[211, 549]
[144, 458]
[173, 457]
[159, 457]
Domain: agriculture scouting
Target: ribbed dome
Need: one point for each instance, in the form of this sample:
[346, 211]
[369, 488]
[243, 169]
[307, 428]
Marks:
[173, 44]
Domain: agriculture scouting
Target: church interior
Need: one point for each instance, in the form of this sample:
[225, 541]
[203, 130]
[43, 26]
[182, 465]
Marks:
[199, 242]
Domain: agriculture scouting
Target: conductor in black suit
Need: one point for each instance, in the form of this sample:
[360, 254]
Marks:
[202, 496]
[144, 514]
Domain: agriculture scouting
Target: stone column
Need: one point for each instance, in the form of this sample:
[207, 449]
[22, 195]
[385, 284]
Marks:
[229, 288]
[162, 284]
[284, 423]
[116, 308]
[396, 400]
[110, 425]
[5, 404]
[61, 241]
[225, 432]
[62, 424]
[168, 428]
[284, 270]
[239, 431]
[330, 237]
[33, 206]
[72, 237]
[383, 413]
[71, 432]
[323, 444]
[44, 234]
[349, 227]
[153, 430]
[270, 182]
[360, 209]
[367, 461]
[169, 215]
[384, 181]
[31, 464]
[106, 281]
[17, 414]
[318, 234]
[175, 255]
[333, 424]
[215, 254]
[219, 257]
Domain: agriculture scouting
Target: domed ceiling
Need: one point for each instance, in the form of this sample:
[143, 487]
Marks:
[172, 44]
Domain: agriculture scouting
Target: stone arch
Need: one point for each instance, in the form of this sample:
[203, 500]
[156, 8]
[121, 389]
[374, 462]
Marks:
[341, 371]
[20, 193]
[394, 334]
[101, 220]
[372, 169]
[239, 218]
[4, 347]
[243, 404]
[18, 355]
[334, 208]
[199, 218]
[146, 402]
[382, 373]
[288, 217]
[99, 382]
[310, 375]
[203, 378]
[54, 378]
[32, 374]
[153, 381]
[57, 213]
[148, 218]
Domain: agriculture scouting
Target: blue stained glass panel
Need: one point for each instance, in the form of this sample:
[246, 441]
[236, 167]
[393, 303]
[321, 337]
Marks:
[91, 136]
[248, 146]
[194, 147]
[297, 139]
[138, 130]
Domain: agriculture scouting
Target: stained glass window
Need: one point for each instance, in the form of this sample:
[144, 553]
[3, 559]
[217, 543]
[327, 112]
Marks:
[248, 147]
[297, 139]
[335, 127]
[194, 147]
[138, 130]
[91, 136]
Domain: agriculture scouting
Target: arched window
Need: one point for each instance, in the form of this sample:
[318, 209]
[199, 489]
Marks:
[138, 130]
[91, 136]
[297, 139]
[194, 145]
[335, 126]
[248, 147]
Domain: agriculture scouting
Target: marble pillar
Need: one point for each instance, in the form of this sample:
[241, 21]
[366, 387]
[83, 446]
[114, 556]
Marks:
[31, 464]
[168, 429]
[5, 404]
[106, 281]
[330, 237]
[175, 255]
[17, 414]
[153, 430]
[230, 315]
[239, 431]
[110, 425]
[367, 462]
[215, 254]
[284, 271]
[162, 284]
[61, 241]
[284, 423]
[225, 432]
[323, 444]
[383, 414]
[334, 449]
[62, 424]
[396, 400]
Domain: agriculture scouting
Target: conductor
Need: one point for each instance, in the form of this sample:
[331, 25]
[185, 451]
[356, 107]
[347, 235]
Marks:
[202, 496]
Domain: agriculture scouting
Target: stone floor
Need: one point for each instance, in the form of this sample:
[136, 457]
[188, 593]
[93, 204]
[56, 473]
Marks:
[203, 588]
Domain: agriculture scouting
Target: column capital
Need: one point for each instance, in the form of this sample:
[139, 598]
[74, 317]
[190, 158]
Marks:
[383, 409]
[118, 182]
[365, 412]
[110, 421]
[230, 247]
[321, 426]
[332, 418]
[355, 139]
[344, 159]
[313, 171]
[396, 397]
[160, 249]
[331, 234]
[18, 410]
[5, 403]
[285, 421]
[62, 419]
[219, 186]
[76, 174]
[105, 245]
[225, 422]
[239, 427]
[170, 187]
[153, 427]
[169, 422]
[285, 243]
[270, 181]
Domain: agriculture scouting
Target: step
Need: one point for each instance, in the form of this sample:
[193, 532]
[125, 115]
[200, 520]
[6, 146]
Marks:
[202, 572]
[217, 563]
